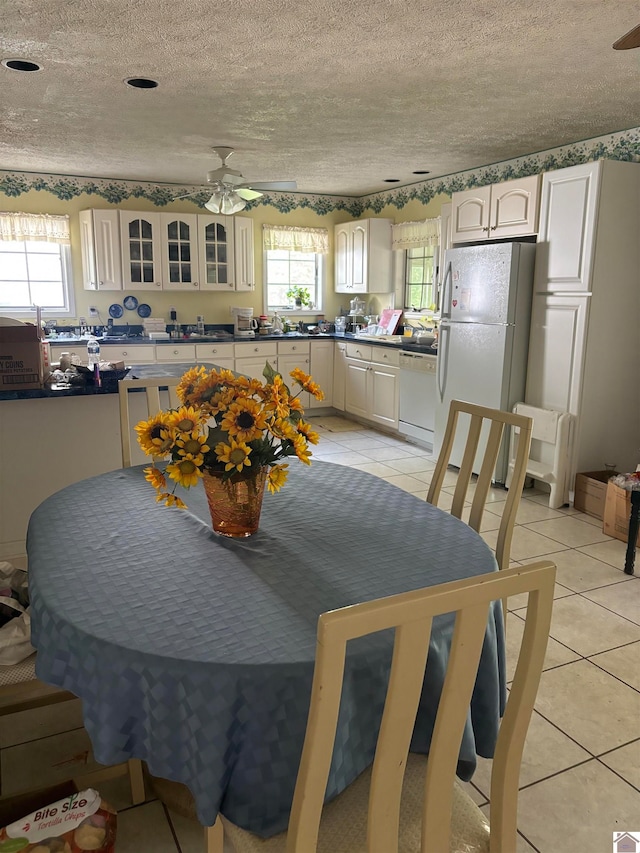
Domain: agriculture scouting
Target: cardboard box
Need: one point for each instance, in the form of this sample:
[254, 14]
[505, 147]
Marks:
[616, 513]
[591, 491]
[22, 358]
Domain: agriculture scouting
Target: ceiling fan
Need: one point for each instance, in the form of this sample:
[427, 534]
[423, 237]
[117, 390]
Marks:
[231, 191]
[628, 40]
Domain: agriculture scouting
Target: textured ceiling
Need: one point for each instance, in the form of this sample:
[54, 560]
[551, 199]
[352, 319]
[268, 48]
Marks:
[338, 96]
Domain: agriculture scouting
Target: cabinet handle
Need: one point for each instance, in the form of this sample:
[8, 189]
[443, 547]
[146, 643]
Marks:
[176, 352]
[124, 352]
[293, 349]
[195, 284]
[255, 349]
[486, 228]
[493, 227]
[158, 284]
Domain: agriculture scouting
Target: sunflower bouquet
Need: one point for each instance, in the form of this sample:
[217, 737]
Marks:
[230, 425]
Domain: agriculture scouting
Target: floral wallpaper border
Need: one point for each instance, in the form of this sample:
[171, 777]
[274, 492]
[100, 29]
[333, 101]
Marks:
[623, 145]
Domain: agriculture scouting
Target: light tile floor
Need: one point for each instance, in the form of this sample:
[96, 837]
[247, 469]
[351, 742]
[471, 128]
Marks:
[580, 778]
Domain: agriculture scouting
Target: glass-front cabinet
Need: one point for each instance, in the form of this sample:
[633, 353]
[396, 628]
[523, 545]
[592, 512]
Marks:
[141, 250]
[216, 252]
[179, 251]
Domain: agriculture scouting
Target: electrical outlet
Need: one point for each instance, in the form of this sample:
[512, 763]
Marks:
[93, 311]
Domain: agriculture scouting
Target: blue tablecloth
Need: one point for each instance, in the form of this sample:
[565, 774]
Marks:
[195, 652]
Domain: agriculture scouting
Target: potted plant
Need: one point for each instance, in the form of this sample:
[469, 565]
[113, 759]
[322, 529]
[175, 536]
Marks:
[300, 296]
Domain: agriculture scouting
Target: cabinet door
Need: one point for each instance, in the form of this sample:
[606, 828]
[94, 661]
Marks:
[343, 282]
[359, 245]
[243, 254]
[322, 372]
[179, 241]
[470, 210]
[556, 352]
[253, 367]
[215, 251]
[564, 255]
[339, 376]
[514, 207]
[141, 250]
[356, 387]
[100, 247]
[384, 395]
[287, 363]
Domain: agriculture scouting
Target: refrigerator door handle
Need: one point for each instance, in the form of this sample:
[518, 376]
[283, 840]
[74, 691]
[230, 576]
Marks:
[443, 352]
[446, 303]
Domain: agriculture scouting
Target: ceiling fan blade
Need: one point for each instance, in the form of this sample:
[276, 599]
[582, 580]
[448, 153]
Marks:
[186, 195]
[628, 40]
[247, 194]
[274, 185]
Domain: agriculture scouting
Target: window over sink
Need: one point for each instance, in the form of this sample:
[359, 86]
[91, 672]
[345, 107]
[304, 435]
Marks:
[294, 261]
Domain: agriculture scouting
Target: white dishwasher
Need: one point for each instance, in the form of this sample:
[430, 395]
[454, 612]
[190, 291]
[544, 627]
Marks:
[417, 395]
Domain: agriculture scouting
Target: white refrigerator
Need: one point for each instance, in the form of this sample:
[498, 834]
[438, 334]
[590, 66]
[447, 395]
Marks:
[484, 335]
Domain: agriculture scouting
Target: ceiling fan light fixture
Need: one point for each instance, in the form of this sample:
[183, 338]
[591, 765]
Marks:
[225, 202]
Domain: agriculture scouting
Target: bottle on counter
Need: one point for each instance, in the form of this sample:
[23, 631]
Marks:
[93, 351]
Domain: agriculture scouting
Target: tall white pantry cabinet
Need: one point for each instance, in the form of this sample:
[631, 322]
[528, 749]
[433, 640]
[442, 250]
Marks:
[584, 353]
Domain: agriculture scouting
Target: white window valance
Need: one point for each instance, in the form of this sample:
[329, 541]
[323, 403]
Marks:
[293, 238]
[33, 226]
[411, 235]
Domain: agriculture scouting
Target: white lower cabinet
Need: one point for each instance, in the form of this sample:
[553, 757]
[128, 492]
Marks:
[372, 383]
[250, 358]
[339, 375]
[321, 369]
[219, 354]
[176, 352]
[292, 356]
[129, 354]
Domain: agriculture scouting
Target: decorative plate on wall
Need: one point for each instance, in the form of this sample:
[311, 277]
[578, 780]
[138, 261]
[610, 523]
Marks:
[115, 311]
[130, 303]
[144, 310]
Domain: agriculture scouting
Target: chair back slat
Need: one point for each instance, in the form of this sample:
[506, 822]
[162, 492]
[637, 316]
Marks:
[453, 708]
[410, 652]
[410, 614]
[151, 387]
[478, 417]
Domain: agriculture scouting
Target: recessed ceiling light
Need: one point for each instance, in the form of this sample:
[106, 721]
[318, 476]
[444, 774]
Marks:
[141, 83]
[21, 65]
[421, 172]
[392, 180]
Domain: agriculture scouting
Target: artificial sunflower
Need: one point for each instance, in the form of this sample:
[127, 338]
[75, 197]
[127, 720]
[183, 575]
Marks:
[245, 420]
[234, 455]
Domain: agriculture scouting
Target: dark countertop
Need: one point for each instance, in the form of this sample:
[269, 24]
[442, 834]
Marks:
[111, 388]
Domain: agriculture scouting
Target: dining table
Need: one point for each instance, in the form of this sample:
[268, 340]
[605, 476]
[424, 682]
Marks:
[195, 652]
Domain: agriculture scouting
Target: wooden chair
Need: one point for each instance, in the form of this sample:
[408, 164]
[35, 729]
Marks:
[42, 738]
[498, 420]
[152, 388]
[409, 802]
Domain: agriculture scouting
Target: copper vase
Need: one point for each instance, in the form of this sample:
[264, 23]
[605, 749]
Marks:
[235, 503]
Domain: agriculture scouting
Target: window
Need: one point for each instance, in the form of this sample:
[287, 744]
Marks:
[286, 270]
[294, 266]
[35, 264]
[419, 289]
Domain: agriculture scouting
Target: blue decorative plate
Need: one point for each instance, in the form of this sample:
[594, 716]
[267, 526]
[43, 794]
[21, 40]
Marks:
[115, 311]
[144, 310]
[130, 303]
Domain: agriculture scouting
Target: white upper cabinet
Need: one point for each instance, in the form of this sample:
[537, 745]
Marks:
[244, 273]
[566, 243]
[141, 250]
[509, 209]
[363, 256]
[216, 252]
[100, 246]
[179, 247]
[166, 251]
